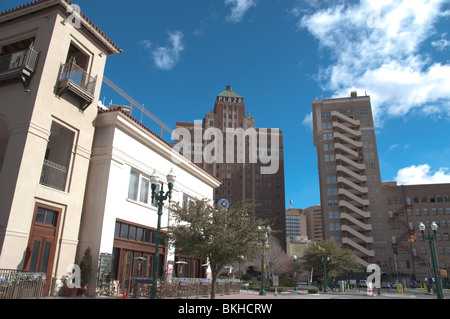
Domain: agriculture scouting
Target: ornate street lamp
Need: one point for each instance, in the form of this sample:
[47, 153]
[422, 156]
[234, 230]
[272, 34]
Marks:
[295, 272]
[262, 292]
[325, 262]
[160, 197]
[431, 238]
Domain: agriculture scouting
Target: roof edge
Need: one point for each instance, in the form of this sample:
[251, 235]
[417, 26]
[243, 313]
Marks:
[39, 5]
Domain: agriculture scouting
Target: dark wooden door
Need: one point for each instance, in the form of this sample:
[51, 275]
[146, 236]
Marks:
[42, 243]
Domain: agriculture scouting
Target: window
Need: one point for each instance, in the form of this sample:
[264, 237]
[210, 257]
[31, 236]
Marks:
[135, 233]
[326, 125]
[145, 183]
[139, 188]
[46, 216]
[133, 187]
[326, 115]
[58, 156]
[332, 191]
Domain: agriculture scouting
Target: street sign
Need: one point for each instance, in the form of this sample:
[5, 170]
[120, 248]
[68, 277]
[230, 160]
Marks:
[224, 204]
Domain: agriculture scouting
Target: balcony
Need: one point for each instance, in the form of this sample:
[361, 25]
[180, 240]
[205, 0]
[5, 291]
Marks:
[73, 79]
[19, 66]
[53, 175]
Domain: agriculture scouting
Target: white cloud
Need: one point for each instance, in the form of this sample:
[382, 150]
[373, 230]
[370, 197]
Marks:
[239, 8]
[422, 174]
[101, 106]
[166, 57]
[308, 122]
[374, 46]
[442, 43]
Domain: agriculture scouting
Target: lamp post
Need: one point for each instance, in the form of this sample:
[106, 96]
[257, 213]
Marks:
[240, 276]
[431, 238]
[262, 292]
[180, 270]
[325, 262]
[160, 197]
[295, 272]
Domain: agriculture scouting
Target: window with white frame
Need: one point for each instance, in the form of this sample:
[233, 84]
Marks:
[139, 188]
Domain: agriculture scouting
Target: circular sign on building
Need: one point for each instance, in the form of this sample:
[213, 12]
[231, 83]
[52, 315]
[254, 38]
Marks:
[224, 204]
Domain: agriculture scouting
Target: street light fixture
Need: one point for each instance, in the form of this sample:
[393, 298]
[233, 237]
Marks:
[262, 292]
[325, 262]
[160, 197]
[241, 258]
[295, 272]
[431, 238]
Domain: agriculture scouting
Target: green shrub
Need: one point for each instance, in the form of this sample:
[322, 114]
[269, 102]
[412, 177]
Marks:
[247, 277]
[287, 282]
[313, 291]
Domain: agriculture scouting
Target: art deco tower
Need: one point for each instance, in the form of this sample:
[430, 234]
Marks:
[243, 180]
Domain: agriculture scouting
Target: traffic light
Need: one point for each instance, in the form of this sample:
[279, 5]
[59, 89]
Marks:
[412, 238]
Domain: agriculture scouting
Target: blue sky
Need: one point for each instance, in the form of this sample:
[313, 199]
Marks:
[280, 55]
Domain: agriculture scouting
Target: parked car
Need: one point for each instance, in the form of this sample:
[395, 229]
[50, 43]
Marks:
[363, 283]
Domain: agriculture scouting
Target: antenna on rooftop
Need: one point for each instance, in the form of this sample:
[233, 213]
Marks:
[134, 103]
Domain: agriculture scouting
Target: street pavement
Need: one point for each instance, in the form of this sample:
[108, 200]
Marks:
[303, 294]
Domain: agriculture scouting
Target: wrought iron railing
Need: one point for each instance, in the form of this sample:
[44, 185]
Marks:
[53, 175]
[74, 73]
[185, 288]
[17, 284]
[26, 59]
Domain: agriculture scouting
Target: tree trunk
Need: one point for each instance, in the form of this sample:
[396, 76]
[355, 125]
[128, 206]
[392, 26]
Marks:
[213, 284]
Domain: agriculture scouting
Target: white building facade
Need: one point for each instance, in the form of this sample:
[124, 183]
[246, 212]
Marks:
[119, 220]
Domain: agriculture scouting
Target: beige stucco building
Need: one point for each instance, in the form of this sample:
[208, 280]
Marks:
[51, 68]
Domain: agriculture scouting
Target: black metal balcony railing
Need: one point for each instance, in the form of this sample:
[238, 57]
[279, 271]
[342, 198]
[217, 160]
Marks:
[74, 79]
[19, 66]
[53, 175]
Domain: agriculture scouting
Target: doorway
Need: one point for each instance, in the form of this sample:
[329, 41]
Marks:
[42, 243]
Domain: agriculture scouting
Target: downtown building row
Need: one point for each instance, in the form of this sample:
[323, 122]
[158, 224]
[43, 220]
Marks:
[72, 175]
[378, 220]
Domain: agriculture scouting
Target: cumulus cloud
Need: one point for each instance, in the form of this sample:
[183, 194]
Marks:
[374, 46]
[239, 8]
[166, 57]
[422, 174]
